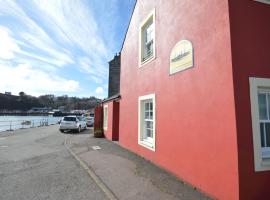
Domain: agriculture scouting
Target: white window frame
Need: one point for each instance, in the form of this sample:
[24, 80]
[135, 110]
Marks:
[149, 144]
[105, 117]
[151, 16]
[256, 85]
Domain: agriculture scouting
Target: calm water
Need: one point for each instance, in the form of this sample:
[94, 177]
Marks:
[15, 122]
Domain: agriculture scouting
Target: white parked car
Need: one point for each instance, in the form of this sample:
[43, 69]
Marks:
[72, 123]
[89, 121]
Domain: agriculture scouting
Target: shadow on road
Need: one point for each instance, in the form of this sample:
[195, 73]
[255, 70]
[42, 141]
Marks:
[83, 132]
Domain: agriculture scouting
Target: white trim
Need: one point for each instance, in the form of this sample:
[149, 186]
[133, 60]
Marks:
[151, 14]
[145, 143]
[256, 84]
[105, 126]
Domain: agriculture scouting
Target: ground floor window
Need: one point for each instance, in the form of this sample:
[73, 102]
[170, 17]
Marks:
[260, 109]
[264, 117]
[147, 121]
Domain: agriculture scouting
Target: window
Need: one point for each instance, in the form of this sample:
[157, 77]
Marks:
[264, 118]
[147, 121]
[147, 39]
[260, 109]
[69, 119]
[105, 117]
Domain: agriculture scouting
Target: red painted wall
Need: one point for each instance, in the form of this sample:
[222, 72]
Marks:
[250, 32]
[112, 132]
[195, 117]
[98, 117]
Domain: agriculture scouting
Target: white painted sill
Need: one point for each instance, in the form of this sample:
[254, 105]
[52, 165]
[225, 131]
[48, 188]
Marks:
[147, 61]
[147, 145]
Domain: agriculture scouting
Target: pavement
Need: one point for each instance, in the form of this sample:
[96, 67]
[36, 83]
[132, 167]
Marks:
[44, 164]
[126, 175]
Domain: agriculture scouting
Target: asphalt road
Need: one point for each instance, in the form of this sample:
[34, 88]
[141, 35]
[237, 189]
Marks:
[34, 165]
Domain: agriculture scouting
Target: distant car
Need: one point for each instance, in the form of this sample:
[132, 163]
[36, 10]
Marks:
[72, 123]
[90, 121]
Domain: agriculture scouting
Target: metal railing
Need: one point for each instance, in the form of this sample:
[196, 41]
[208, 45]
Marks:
[10, 125]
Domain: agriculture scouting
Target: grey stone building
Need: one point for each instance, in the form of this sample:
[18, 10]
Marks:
[114, 76]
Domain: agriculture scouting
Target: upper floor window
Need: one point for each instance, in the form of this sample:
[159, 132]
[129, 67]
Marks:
[147, 39]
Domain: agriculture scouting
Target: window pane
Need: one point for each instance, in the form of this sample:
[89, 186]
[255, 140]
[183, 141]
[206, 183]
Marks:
[267, 132]
[146, 115]
[151, 115]
[149, 133]
[149, 32]
[262, 134]
[262, 107]
[151, 105]
[146, 106]
[148, 124]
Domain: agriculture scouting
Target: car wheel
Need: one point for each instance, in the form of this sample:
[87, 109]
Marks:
[79, 129]
[62, 131]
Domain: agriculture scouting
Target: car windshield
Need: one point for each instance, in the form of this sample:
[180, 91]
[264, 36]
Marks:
[70, 119]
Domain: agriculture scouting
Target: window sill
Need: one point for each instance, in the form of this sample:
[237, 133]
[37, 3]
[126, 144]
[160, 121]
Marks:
[147, 144]
[147, 61]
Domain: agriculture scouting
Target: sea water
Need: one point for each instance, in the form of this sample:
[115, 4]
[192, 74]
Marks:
[16, 122]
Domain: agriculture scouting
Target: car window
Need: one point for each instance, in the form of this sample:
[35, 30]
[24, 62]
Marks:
[69, 119]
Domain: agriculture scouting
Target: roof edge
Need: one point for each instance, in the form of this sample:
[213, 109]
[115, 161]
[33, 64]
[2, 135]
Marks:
[114, 97]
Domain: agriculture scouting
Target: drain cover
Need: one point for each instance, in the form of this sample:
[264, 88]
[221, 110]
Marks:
[96, 148]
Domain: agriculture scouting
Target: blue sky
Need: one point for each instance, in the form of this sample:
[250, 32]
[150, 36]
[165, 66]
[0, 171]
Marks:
[60, 46]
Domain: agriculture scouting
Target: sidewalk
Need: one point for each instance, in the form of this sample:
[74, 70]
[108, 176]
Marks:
[127, 175]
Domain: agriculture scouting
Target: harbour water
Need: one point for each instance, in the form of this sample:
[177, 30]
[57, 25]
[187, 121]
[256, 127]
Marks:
[17, 122]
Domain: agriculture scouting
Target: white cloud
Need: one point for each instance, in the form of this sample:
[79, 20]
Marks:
[33, 36]
[47, 35]
[25, 78]
[99, 90]
[98, 74]
[8, 45]
[73, 22]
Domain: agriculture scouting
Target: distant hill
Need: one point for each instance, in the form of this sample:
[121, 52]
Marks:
[12, 102]
[25, 102]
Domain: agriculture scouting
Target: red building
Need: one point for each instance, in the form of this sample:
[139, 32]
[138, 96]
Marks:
[195, 93]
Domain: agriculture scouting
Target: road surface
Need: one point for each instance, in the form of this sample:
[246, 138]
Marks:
[35, 165]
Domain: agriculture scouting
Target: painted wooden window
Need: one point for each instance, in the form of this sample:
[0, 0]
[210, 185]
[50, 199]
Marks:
[147, 39]
[147, 121]
[264, 118]
[260, 113]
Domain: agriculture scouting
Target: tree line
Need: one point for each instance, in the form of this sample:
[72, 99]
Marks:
[25, 102]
